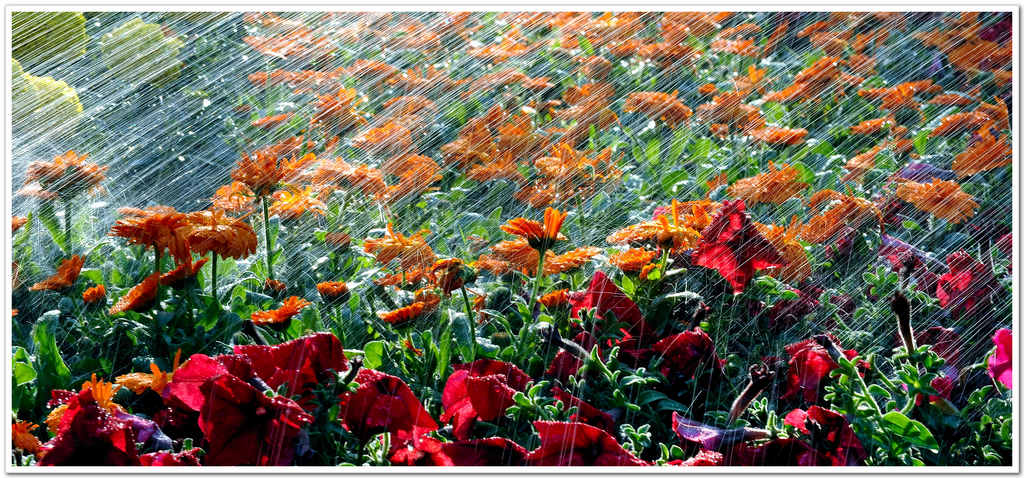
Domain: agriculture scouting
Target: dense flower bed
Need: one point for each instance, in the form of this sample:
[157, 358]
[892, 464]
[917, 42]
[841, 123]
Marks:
[522, 239]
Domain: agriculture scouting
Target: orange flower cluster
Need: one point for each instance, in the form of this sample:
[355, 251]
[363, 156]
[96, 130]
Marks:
[263, 171]
[779, 136]
[540, 236]
[159, 226]
[65, 276]
[424, 304]
[814, 82]
[985, 154]
[633, 260]
[94, 294]
[291, 203]
[67, 176]
[773, 186]
[338, 172]
[213, 231]
[941, 198]
[728, 110]
[234, 198]
[290, 307]
[412, 252]
[140, 297]
[796, 267]
[156, 381]
[679, 229]
[960, 40]
[415, 174]
[839, 210]
[569, 173]
[657, 105]
[339, 112]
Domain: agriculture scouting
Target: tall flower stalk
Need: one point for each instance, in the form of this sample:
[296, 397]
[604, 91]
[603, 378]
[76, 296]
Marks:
[541, 237]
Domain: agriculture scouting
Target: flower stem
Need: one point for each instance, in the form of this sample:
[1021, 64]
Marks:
[470, 318]
[156, 266]
[67, 225]
[213, 279]
[266, 236]
[536, 281]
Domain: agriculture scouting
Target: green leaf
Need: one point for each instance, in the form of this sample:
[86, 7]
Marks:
[670, 182]
[464, 338]
[585, 45]
[373, 354]
[21, 365]
[921, 141]
[53, 373]
[911, 431]
[653, 150]
[444, 351]
[701, 148]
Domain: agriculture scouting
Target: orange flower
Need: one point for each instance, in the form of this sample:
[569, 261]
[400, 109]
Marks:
[65, 276]
[268, 122]
[66, 177]
[156, 381]
[289, 308]
[260, 172]
[682, 232]
[951, 99]
[941, 198]
[408, 277]
[518, 254]
[23, 439]
[496, 266]
[988, 153]
[180, 276]
[998, 112]
[655, 105]
[159, 226]
[841, 210]
[94, 294]
[290, 204]
[102, 392]
[274, 286]
[779, 136]
[501, 166]
[742, 47]
[235, 197]
[415, 174]
[860, 164]
[390, 137]
[796, 267]
[362, 177]
[447, 274]
[872, 126]
[774, 186]
[557, 298]
[213, 231]
[17, 222]
[404, 314]
[412, 252]
[707, 89]
[570, 260]
[958, 123]
[141, 296]
[339, 111]
[332, 291]
[540, 236]
[632, 260]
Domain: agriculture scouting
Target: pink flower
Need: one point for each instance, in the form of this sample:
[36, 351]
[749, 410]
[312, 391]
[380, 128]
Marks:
[1000, 364]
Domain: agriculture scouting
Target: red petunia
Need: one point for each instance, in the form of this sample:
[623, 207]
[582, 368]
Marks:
[245, 427]
[165, 458]
[89, 435]
[586, 413]
[604, 296]
[493, 451]
[968, 283]
[1000, 364]
[419, 450]
[733, 246]
[702, 458]
[297, 363]
[183, 391]
[809, 365]
[578, 444]
[686, 354]
[383, 403]
[830, 435]
[482, 389]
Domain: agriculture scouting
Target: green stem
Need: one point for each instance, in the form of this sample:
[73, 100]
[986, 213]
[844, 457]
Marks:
[67, 225]
[266, 236]
[469, 314]
[213, 278]
[536, 281]
[159, 256]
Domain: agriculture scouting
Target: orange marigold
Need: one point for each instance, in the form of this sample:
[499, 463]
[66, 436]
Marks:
[839, 210]
[654, 105]
[332, 291]
[235, 197]
[390, 137]
[159, 226]
[213, 231]
[540, 236]
[872, 126]
[941, 198]
[632, 260]
[290, 307]
[554, 299]
[570, 260]
[17, 222]
[260, 172]
[987, 153]
[23, 439]
[94, 294]
[140, 297]
[779, 136]
[412, 252]
[797, 267]
[290, 204]
[66, 176]
[957, 123]
[182, 274]
[156, 381]
[774, 186]
[66, 275]
[339, 111]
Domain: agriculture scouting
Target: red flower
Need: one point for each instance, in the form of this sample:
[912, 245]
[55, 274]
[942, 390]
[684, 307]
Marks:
[89, 435]
[809, 365]
[184, 389]
[482, 389]
[566, 364]
[968, 283]
[944, 341]
[164, 458]
[702, 458]
[785, 313]
[578, 444]
[604, 296]
[494, 451]
[1000, 364]
[245, 427]
[586, 413]
[732, 246]
[296, 363]
[686, 354]
[383, 403]
[419, 450]
[830, 435]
